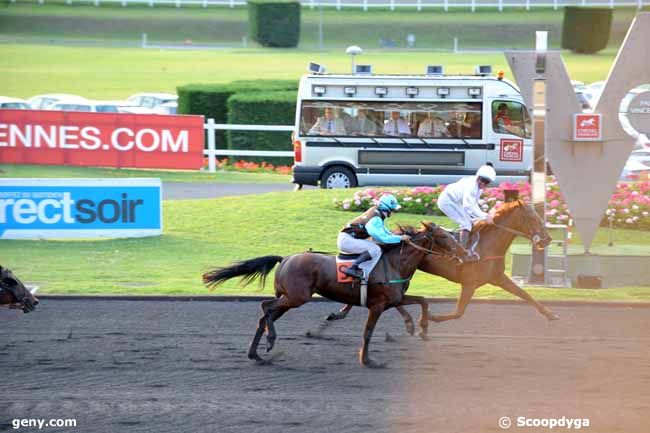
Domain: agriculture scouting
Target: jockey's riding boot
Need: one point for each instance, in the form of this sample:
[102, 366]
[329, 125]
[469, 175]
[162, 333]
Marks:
[354, 270]
[464, 242]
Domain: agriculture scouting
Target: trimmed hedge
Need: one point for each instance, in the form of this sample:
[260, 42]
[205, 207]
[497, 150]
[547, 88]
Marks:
[268, 108]
[274, 23]
[211, 100]
[586, 30]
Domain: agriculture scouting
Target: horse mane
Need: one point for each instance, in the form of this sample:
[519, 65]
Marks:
[406, 230]
[504, 210]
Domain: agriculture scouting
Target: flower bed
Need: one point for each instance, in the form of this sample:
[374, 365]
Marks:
[629, 206]
[248, 166]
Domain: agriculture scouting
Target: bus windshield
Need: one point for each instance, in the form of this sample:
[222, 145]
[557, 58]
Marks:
[391, 119]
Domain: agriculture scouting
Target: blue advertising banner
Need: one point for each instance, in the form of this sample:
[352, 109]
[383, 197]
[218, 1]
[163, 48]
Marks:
[80, 208]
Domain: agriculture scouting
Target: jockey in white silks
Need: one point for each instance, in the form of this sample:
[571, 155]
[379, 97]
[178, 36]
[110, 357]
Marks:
[459, 201]
[354, 237]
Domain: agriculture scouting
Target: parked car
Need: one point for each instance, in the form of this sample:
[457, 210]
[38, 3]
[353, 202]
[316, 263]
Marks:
[88, 106]
[43, 102]
[635, 170]
[167, 108]
[150, 100]
[13, 103]
[584, 100]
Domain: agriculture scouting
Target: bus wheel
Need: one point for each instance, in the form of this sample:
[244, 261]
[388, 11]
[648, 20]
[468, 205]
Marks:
[338, 177]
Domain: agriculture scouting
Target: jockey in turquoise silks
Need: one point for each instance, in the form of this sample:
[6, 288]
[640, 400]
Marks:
[354, 237]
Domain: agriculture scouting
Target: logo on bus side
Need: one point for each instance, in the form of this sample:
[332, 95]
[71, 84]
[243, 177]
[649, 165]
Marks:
[512, 149]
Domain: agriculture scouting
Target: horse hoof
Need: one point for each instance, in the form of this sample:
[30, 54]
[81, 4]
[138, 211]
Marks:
[270, 344]
[552, 316]
[410, 328]
[369, 363]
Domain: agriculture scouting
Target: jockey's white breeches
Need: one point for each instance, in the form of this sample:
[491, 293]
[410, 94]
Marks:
[349, 244]
[454, 211]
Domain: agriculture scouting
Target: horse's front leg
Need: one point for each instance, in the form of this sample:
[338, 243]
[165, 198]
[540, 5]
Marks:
[424, 316]
[341, 314]
[373, 315]
[510, 286]
[466, 293]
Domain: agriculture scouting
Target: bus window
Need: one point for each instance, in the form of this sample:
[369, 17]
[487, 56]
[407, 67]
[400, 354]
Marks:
[511, 118]
[391, 119]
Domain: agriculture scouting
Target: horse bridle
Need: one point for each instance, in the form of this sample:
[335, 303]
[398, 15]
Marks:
[431, 252]
[533, 237]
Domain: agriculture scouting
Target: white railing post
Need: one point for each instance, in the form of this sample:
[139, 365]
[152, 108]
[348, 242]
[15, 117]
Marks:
[365, 5]
[473, 5]
[640, 4]
[338, 5]
[124, 3]
[178, 3]
[311, 4]
[528, 5]
[96, 3]
[205, 3]
[212, 163]
[446, 5]
[611, 4]
[151, 3]
[392, 5]
[555, 5]
[500, 5]
[232, 4]
[419, 6]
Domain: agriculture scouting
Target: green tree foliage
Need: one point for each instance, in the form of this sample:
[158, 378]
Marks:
[586, 30]
[274, 23]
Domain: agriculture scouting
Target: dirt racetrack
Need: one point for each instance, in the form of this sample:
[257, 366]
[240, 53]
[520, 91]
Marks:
[150, 366]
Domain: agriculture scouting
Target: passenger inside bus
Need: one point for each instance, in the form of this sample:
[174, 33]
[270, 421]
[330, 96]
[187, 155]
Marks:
[396, 126]
[364, 124]
[433, 126]
[328, 124]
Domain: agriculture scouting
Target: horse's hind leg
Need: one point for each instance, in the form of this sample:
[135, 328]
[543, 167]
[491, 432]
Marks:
[424, 317]
[271, 336]
[341, 314]
[261, 325]
[408, 320]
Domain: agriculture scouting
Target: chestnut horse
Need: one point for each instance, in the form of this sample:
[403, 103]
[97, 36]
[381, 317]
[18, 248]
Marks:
[300, 276]
[513, 219]
[14, 294]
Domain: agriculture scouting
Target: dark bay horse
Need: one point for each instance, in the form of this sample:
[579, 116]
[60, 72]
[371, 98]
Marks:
[14, 294]
[513, 219]
[299, 276]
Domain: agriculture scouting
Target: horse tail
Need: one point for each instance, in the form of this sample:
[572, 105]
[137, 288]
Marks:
[250, 270]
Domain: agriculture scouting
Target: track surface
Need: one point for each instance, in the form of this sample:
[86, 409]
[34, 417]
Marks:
[146, 366]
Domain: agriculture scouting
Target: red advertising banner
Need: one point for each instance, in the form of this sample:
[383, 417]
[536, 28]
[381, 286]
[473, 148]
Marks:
[101, 139]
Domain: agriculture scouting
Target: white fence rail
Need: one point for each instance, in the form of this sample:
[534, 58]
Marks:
[211, 152]
[390, 4]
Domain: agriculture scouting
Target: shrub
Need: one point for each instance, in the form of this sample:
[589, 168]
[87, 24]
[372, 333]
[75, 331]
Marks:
[586, 30]
[211, 100]
[267, 108]
[274, 23]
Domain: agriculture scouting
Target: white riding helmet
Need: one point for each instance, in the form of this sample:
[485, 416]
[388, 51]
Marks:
[486, 172]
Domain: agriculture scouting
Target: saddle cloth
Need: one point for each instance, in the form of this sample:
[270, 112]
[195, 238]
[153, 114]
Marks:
[344, 261]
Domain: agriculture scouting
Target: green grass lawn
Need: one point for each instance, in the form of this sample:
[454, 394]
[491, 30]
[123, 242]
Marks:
[221, 176]
[115, 73]
[200, 234]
